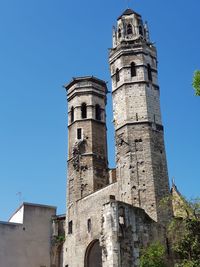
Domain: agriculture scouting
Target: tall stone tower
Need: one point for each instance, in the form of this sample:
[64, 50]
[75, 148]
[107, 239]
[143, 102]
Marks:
[140, 150]
[87, 149]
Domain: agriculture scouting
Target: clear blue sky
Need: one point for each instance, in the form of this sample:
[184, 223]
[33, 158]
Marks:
[46, 42]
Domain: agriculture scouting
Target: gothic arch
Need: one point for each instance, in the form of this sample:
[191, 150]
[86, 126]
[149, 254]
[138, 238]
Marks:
[93, 255]
[129, 29]
[133, 69]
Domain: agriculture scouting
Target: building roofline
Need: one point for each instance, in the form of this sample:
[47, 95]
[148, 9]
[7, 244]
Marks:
[39, 205]
[32, 205]
[84, 78]
[59, 217]
[174, 187]
[128, 12]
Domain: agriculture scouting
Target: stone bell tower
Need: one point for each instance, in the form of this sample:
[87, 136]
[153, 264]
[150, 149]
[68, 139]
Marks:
[140, 151]
[87, 149]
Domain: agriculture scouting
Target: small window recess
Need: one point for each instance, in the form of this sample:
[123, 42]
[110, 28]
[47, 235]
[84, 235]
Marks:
[97, 112]
[72, 114]
[129, 29]
[141, 30]
[117, 75]
[119, 33]
[70, 227]
[133, 70]
[89, 225]
[149, 72]
[84, 111]
[79, 133]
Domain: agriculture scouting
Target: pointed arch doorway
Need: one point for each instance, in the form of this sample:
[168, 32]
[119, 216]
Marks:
[93, 255]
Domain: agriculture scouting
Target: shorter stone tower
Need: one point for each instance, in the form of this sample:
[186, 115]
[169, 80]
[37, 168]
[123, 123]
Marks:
[87, 160]
[87, 149]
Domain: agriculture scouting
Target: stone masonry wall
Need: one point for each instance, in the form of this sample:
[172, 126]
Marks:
[125, 229]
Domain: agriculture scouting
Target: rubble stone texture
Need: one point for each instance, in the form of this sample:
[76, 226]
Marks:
[112, 214]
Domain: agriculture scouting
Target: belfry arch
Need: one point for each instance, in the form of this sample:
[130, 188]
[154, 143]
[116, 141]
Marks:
[93, 255]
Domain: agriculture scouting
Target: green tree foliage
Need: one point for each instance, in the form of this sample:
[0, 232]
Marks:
[196, 82]
[153, 256]
[185, 236]
[186, 263]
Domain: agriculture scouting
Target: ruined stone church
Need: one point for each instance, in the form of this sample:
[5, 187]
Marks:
[111, 213]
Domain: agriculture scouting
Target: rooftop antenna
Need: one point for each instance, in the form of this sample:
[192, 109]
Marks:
[173, 181]
[19, 194]
[128, 3]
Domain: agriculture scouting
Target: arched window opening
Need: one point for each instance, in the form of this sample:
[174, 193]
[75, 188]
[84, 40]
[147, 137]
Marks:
[129, 29]
[117, 75]
[149, 72]
[133, 69]
[97, 112]
[72, 114]
[119, 33]
[84, 111]
[93, 255]
[140, 30]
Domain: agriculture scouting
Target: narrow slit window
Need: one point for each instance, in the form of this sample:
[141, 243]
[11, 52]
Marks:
[133, 69]
[129, 29]
[72, 114]
[117, 75]
[70, 227]
[89, 225]
[119, 33]
[79, 133]
[149, 72]
[140, 30]
[154, 118]
[97, 112]
[84, 111]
